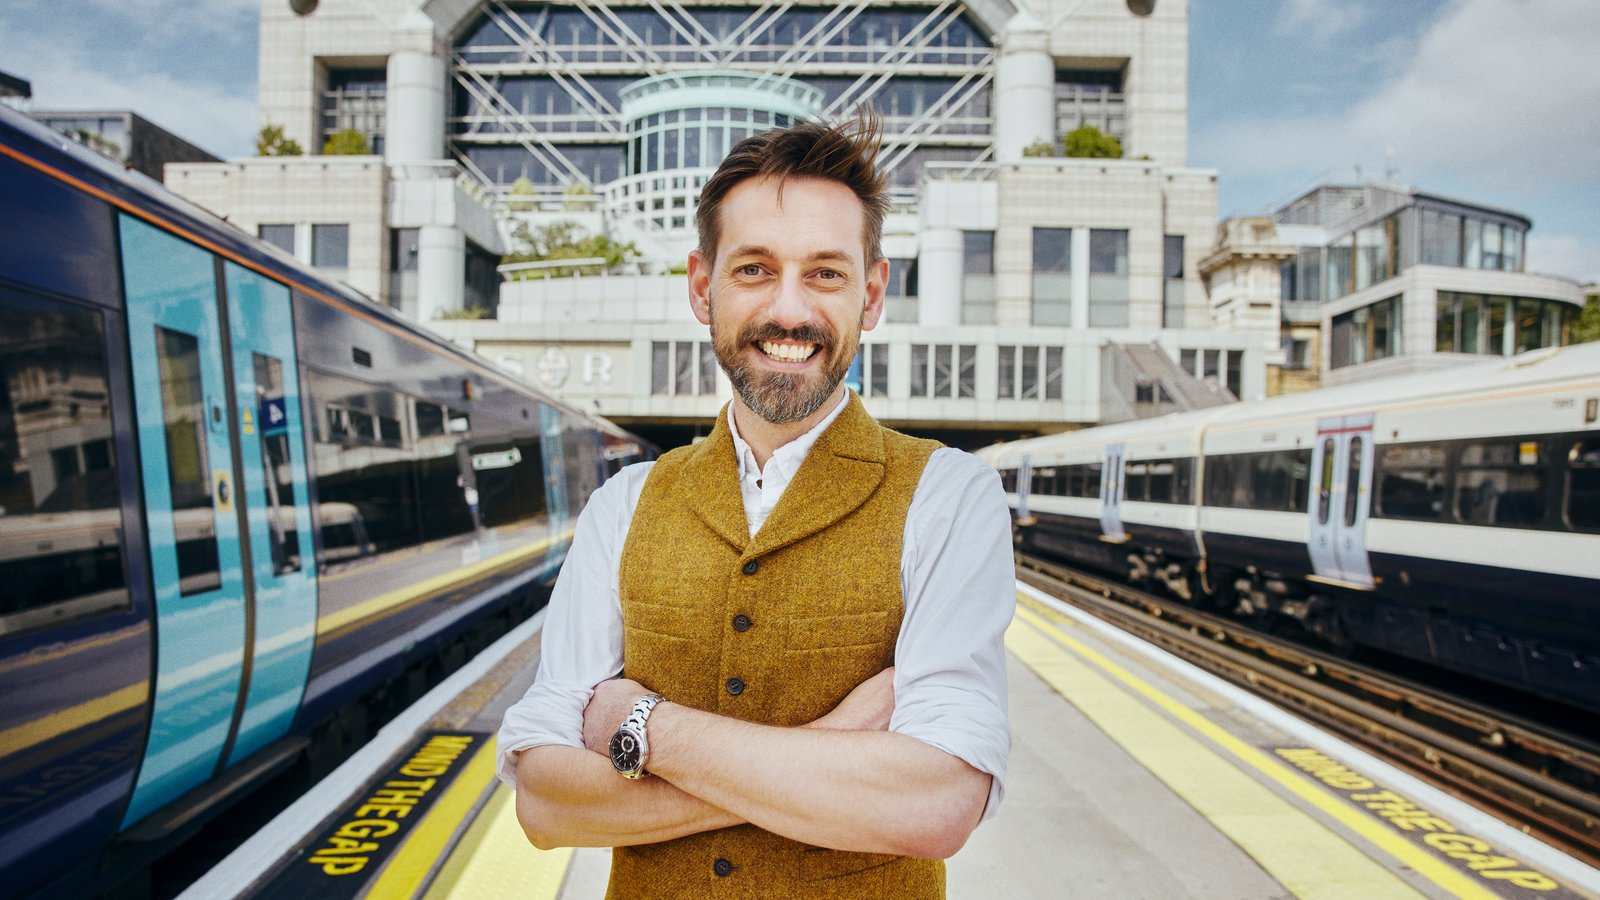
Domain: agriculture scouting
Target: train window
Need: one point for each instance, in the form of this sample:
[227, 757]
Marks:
[1500, 483]
[1008, 480]
[1136, 476]
[1583, 485]
[279, 465]
[1325, 491]
[1045, 482]
[1160, 481]
[1412, 481]
[430, 419]
[1183, 481]
[367, 490]
[1091, 480]
[60, 517]
[183, 408]
[1352, 483]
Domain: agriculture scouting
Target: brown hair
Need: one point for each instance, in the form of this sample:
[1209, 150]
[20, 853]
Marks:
[845, 152]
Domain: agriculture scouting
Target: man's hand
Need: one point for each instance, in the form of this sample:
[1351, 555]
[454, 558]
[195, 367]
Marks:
[610, 705]
[867, 708]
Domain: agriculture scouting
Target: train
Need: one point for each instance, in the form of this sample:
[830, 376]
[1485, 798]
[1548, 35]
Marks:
[1451, 517]
[243, 508]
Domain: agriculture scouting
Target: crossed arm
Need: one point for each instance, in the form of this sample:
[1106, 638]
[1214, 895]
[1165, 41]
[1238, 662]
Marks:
[844, 781]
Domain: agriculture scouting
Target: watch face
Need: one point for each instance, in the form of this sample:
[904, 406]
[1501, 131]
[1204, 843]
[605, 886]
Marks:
[625, 751]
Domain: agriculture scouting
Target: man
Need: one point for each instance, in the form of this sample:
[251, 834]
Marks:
[808, 609]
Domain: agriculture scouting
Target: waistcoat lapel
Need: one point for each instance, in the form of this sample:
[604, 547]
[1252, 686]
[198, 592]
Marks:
[709, 485]
[842, 470]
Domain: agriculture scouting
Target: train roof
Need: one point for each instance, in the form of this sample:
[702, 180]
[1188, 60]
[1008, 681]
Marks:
[1544, 366]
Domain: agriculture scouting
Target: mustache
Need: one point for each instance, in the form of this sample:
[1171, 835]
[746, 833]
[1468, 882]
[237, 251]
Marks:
[808, 333]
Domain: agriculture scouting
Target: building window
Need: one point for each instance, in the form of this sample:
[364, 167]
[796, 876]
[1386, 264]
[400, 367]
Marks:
[900, 294]
[977, 282]
[952, 374]
[1020, 375]
[1296, 353]
[683, 368]
[280, 236]
[330, 246]
[1172, 281]
[1475, 323]
[1108, 279]
[874, 370]
[355, 101]
[1366, 334]
[1376, 253]
[1052, 276]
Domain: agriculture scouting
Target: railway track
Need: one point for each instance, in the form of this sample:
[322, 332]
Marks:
[1535, 776]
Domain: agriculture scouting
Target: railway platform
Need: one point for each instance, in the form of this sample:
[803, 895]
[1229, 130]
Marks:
[1132, 774]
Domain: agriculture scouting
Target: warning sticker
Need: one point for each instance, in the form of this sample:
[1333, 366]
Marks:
[343, 856]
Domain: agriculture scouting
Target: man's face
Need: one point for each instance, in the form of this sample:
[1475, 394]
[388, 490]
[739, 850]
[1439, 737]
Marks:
[788, 294]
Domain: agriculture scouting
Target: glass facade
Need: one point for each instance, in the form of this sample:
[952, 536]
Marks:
[356, 100]
[1500, 326]
[977, 279]
[1367, 334]
[537, 94]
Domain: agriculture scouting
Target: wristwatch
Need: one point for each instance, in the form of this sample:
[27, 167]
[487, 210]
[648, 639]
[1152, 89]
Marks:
[629, 750]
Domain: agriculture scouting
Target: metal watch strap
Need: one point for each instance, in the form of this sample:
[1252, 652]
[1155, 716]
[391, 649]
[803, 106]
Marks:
[634, 723]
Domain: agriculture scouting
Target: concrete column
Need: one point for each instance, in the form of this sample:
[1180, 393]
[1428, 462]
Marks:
[441, 270]
[939, 270]
[1024, 96]
[1080, 277]
[414, 108]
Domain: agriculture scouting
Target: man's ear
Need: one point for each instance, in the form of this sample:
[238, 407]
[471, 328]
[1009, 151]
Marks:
[877, 286]
[700, 286]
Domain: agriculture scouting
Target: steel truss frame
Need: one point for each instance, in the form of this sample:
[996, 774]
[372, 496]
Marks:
[481, 81]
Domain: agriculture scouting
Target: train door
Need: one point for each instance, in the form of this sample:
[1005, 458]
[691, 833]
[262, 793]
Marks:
[1112, 485]
[1024, 490]
[1341, 485]
[282, 618]
[183, 425]
[555, 480]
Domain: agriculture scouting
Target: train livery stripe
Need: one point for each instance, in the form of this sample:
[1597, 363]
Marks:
[26, 735]
[1273, 845]
[494, 861]
[386, 602]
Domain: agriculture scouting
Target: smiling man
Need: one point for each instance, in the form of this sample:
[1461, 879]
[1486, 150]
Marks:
[806, 609]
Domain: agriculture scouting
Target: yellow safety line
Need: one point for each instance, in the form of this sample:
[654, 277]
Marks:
[336, 620]
[1291, 845]
[404, 874]
[21, 737]
[495, 861]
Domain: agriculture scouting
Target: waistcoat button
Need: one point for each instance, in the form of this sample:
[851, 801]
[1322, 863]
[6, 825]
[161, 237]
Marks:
[735, 686]
[751, 567]
[742, 622]
[722, 867]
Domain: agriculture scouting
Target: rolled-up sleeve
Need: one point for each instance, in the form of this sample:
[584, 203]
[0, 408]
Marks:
[581, 642]
[959, 584]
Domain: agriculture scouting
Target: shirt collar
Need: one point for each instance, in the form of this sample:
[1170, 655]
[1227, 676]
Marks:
[788, 457]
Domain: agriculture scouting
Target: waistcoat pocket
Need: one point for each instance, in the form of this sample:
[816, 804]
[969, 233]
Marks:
[820, 863]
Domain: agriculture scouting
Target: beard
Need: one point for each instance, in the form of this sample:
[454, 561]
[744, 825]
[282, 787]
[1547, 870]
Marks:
[784, 397]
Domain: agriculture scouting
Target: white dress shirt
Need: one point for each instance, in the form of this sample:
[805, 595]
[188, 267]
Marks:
[957, 580]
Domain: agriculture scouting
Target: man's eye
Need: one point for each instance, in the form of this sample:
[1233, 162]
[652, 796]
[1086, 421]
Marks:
[829, 273]
[751, 270]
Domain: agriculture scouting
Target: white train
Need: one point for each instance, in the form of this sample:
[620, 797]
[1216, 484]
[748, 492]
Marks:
[1452, 517]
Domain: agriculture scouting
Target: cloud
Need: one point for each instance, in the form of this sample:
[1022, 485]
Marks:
[1567, 255]
[1318, 21]
[186, 65]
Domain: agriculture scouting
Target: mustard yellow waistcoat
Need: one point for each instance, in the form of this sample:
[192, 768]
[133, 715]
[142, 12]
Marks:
[775, 629]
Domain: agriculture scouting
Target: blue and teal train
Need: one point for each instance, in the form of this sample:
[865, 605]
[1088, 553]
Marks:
[242, 507]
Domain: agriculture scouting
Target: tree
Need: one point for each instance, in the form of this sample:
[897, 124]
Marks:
[346, 142]
[271, 142]
[566, 240]
[1588, 328]
[1039, 149]
[1089, 142]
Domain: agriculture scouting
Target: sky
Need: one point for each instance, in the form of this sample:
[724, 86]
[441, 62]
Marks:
[1495, 102]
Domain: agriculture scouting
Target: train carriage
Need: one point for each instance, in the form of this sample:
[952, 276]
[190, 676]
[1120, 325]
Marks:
[1452, 517]
[242, 510]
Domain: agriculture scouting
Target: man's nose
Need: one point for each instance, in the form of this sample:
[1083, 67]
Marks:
[791, 305]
